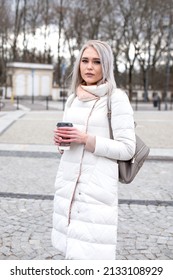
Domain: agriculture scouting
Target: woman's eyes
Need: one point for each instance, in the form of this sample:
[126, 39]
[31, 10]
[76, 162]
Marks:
[84, 60]
[95, 61]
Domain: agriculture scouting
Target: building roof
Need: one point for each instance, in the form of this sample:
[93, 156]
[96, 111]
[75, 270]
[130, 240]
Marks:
[30, 65]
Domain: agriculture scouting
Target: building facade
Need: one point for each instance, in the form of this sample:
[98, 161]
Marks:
[29, 79]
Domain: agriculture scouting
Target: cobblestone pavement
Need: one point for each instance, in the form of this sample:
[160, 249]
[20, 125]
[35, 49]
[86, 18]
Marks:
[27, 186]
[26, 200]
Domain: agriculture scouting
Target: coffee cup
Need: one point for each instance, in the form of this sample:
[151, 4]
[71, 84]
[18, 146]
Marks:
[64, 145]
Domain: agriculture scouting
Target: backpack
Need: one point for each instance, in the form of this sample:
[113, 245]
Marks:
[128, 169]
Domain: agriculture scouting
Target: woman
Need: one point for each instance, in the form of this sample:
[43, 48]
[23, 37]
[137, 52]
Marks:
[86, 198]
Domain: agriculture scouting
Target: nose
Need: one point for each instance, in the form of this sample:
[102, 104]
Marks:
[89, 65]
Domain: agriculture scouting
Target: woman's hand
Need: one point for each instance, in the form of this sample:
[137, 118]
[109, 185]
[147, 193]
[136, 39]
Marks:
[69, 134]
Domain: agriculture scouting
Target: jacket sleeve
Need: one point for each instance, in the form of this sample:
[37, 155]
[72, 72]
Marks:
[122, 147]
[67, 105]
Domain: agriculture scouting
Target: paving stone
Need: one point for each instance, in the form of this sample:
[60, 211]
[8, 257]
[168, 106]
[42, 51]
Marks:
[145, 229]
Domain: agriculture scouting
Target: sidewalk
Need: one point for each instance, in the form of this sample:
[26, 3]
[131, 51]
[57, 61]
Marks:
[29, 162]
[154, 127]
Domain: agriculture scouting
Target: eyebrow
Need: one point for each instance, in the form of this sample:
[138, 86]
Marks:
[95, 58]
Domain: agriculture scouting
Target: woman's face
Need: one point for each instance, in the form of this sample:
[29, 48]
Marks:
[90, 66]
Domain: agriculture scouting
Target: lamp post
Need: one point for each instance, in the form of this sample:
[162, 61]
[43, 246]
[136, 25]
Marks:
[32, 86]
[131, 58]
[167, 70]
[63, 69]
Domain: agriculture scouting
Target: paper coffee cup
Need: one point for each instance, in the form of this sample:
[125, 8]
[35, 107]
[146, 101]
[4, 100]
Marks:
[64, 146]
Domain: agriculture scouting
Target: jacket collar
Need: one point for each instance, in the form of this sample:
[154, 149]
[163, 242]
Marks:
[98, 90]
[87, 93]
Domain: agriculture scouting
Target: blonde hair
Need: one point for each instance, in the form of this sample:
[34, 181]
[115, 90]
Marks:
[106, 58]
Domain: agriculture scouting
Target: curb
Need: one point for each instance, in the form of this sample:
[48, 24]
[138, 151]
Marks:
[161, 158]
[9, 118]
[50, 154]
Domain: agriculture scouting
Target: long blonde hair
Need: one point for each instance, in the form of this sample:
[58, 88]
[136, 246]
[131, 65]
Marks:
[106, 58]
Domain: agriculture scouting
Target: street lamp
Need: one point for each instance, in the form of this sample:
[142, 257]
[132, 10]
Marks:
[131, 58]
[167, 70]
[32, 86]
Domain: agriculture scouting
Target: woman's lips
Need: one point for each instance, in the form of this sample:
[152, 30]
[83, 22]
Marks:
[89, 75]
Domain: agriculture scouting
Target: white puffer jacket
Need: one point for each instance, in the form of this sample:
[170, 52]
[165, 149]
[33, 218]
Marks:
[86, 198]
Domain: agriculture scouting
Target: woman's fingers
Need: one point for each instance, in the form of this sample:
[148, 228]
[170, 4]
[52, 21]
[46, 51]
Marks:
[57, 139]
[69, 134]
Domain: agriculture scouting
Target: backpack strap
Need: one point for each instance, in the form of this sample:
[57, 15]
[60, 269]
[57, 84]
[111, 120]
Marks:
[109, 116]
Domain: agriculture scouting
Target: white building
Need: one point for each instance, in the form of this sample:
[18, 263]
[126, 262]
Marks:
[29, 79]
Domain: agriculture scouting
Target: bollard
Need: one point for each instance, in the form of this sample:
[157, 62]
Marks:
[47, 102]
[136, 104]
[171, 103]
[63, 101]
[17, 100]
[159, 103]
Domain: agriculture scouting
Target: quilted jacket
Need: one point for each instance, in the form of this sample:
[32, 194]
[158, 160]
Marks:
[86, 198]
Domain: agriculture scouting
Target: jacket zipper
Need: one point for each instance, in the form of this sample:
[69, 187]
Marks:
[69, 216]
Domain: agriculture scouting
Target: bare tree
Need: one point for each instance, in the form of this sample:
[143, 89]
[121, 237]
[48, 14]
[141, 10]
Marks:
[47, 16]
[145, 26]
[17, 27]
[111, 30]
[94, 12]
[129, 38]
[4, 28]
[168, 32]
[150, 40]
[24, 29]
[34, 21]
[60, 9]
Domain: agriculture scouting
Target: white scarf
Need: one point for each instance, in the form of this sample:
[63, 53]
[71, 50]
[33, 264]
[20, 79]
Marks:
[87, 93]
